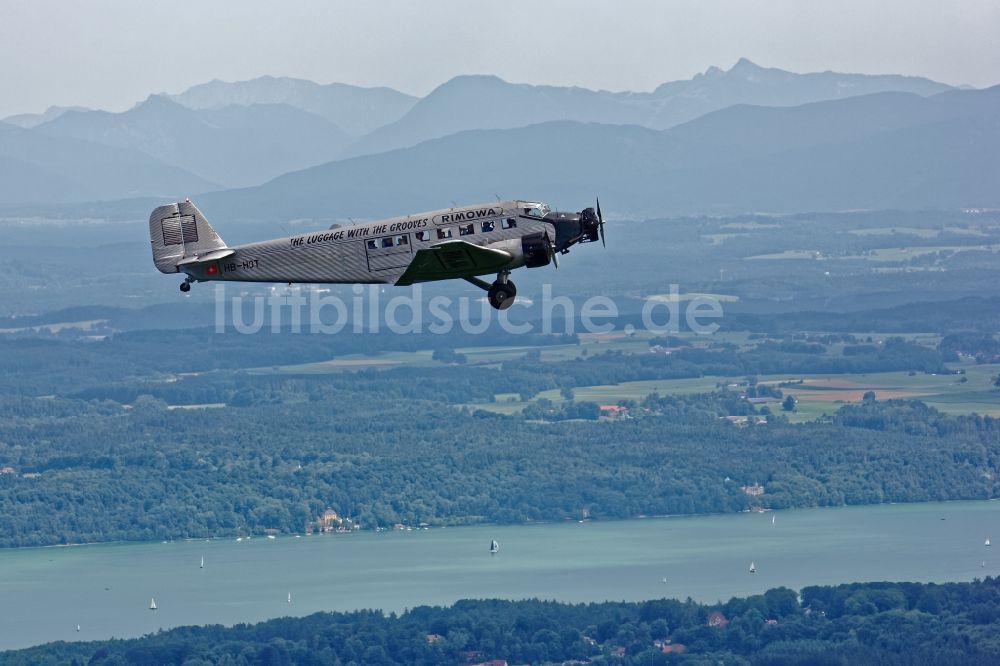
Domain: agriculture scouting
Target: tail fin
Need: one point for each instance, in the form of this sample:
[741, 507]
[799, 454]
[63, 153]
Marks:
[179, 234]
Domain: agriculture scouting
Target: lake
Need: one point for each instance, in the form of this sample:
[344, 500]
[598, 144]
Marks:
[106, 589]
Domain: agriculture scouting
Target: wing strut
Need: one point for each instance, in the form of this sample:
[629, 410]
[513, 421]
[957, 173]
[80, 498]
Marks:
[482, 284]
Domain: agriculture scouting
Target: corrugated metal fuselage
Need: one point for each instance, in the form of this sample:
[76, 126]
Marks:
[375, 252]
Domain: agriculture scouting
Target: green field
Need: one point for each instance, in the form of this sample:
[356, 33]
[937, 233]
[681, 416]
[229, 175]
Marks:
[349, 362]
[923, 232]
[718, 239]
[597, 343]
[887, 254]
[817, 395]
[787, 254]
[666, 298]
[825, 394]
[904, 253]
[750, 225]
[889, 231]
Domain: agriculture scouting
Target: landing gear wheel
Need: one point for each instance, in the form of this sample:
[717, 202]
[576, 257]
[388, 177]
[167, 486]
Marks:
[185, 287]
[501, 295]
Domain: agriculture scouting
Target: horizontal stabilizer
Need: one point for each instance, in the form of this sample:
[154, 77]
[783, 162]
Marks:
[214, 255]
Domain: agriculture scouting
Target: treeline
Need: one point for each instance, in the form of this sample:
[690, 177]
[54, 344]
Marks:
[63, 365]
[893, 624]
[127, 365]
[93, 471]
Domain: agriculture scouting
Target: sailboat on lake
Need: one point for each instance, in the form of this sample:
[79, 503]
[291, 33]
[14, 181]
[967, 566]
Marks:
[494, 547]
[152, 604]
[202, 566]
[753, 568]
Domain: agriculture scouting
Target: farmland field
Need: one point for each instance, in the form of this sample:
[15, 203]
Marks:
[816, 395]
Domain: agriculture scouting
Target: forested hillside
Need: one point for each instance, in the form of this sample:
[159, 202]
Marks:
[102, 440]
[93, 471]
[893, 624]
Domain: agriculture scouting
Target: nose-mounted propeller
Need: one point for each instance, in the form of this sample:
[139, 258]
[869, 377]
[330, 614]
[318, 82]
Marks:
[600, 222]
[592, 224]
[587, 226]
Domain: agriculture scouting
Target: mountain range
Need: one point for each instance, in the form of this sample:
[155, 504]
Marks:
[487, 102]
[29, 120]
[887, 150]
[232, 145]
[354, 110]
[35, 167]
[722, 140]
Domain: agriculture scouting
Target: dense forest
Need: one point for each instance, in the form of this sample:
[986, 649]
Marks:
[894, 624]
[94, 448]
[89, 470]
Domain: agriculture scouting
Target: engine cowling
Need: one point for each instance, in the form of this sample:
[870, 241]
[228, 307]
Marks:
[536, 250]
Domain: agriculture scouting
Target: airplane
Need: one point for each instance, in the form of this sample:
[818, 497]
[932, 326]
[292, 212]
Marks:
[460, 242]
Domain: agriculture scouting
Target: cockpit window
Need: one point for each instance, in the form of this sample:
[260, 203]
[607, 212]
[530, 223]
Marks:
[536, 210]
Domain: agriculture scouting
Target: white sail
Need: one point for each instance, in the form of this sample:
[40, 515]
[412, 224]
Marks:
[202, 566]
[753, 568]
[152, 604]
[494, 546]
[289, 597]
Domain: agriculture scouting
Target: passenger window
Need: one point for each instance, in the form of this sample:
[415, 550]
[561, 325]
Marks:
[509, 223]
[466, 230]
[488, 226]
[387, 242]
[402, 240]
[423, 235]
[372, 245]
[444, 233]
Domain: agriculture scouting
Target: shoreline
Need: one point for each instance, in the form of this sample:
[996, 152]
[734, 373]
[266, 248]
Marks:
[379, 530]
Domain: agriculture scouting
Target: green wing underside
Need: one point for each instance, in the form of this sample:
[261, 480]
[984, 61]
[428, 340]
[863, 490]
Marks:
[454, 259]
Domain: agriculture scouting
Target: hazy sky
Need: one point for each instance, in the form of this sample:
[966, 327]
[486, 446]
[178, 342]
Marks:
[111, 53]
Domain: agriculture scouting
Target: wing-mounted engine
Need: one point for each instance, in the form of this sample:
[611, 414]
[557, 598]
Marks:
[536, 250]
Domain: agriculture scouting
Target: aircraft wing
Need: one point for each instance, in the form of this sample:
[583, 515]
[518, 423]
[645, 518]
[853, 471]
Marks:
[453, 259]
